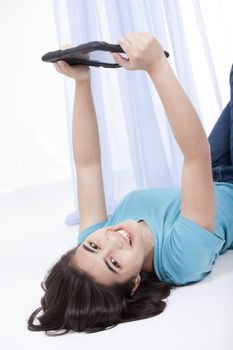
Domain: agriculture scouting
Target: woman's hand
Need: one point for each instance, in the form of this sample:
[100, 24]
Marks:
[77, 72]
[143, 50]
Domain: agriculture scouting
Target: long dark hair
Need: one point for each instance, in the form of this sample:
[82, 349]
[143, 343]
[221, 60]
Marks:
[74, 301]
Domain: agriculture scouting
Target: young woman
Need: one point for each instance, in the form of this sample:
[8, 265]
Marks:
[157, 238]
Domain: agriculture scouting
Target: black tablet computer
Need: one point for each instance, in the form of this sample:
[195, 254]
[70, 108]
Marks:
[93, 53]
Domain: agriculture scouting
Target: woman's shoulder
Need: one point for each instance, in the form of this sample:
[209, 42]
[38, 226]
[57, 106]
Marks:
[222, 184]
[224, 191]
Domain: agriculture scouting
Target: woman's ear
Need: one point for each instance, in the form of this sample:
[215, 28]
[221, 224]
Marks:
[136, 284]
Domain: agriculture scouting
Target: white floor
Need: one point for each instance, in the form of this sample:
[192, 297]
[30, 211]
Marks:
[34, 235]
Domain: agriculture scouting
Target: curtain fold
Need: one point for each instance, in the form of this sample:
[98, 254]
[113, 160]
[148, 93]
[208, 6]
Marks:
[137, 144]
[207, 50]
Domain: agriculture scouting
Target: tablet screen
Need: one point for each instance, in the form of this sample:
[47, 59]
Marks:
[99, 55]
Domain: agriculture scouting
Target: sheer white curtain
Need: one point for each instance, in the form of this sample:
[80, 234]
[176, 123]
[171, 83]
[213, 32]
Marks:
[137, 144]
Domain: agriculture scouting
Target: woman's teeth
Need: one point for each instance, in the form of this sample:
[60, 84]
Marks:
[125, 234]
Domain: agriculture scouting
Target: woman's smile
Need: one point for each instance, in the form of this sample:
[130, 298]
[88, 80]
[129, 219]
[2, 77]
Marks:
[121, 237]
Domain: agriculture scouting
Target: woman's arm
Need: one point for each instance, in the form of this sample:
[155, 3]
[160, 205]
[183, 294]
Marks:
[85, 134]
[87, 155]
[146, 53]
[197, 188]
[86, 147]
[197, 192]
[182, 116]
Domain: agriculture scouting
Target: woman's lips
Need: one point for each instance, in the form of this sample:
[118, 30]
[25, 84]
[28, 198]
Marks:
[125, 228]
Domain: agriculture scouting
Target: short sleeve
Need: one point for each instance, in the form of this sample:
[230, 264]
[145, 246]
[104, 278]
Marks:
[189, 252]
[83, 235]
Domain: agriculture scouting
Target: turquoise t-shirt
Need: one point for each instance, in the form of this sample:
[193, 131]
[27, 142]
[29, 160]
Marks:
[184, 251]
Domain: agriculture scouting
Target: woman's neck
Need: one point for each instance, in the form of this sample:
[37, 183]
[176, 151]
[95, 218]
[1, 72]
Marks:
[147, 234]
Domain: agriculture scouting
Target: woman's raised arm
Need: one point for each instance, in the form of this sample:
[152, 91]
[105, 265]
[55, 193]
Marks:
[198, 198]
[86, 147]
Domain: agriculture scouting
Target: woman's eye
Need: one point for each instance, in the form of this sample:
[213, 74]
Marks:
[93, 244]
[115, 263]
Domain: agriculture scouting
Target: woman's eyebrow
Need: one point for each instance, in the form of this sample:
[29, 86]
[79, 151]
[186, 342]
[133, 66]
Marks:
[106, 262]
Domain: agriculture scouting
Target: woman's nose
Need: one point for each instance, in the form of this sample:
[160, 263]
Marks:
[114, 239]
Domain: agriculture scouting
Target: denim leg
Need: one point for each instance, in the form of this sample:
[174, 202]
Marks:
[231, 108]
[221, 142]
[219, 139]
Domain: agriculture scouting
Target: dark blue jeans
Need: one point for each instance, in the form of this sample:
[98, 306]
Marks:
[221, 142]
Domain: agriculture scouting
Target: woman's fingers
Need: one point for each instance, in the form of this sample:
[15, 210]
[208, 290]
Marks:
[136, 40]
[77, 72]
[124, 44]
[143, 37]
[66, 68]
[63, 64]
[62, 67]
[57, 67]
[142, 49]
[132, 43]
[123, 62]
[66, 46]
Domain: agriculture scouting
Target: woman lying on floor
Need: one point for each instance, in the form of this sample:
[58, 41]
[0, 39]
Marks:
[157, 238]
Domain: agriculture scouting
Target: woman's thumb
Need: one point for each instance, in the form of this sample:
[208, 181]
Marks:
[119, 59]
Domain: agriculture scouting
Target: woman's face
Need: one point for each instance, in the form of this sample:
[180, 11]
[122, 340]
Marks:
[108, 256]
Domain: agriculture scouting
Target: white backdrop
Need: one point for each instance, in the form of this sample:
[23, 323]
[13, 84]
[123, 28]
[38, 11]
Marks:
[36, 191]
[33, 133]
